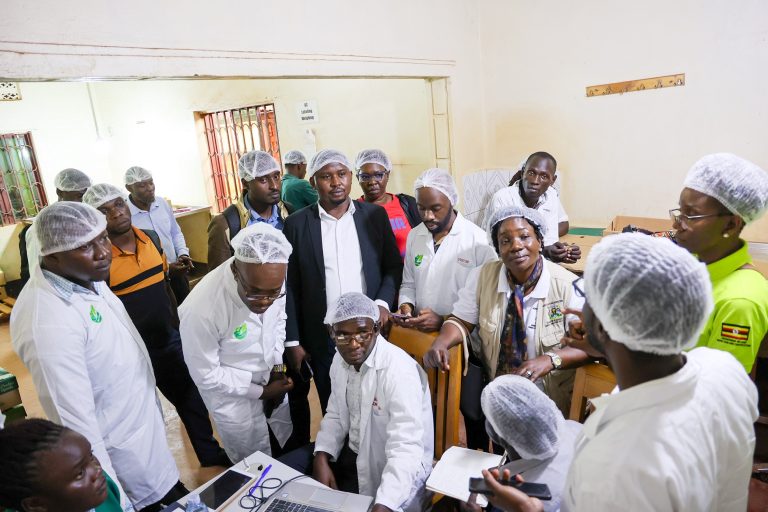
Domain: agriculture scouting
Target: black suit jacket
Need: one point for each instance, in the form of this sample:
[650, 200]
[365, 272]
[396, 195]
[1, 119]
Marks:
[305, 285]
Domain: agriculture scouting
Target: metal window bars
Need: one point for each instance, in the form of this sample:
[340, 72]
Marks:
[22, 193]
[229, 135]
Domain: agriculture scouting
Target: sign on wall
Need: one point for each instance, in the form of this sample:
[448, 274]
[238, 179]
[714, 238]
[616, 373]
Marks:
[307, 111]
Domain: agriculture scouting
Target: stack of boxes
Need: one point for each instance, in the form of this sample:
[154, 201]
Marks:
[10, 399]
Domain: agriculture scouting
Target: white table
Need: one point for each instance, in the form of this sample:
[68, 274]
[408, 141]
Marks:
[278, 470]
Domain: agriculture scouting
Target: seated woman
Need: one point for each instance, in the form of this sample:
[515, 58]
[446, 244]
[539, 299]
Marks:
[542, 451]
[47, 467]
[373, 167]
[518, 305]
[722, 194]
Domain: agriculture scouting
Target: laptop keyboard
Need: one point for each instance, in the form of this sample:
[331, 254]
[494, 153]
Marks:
[288, 506]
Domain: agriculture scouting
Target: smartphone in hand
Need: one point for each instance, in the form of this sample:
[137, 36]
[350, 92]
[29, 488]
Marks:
[534, 490]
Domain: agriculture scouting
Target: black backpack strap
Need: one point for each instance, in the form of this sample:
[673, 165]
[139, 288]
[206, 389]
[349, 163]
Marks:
[410, 209]
[155, 240]
[232, 216]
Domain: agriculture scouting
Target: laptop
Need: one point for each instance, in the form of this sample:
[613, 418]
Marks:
[298, 497]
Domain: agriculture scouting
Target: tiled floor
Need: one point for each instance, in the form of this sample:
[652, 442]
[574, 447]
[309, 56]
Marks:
[191, 472]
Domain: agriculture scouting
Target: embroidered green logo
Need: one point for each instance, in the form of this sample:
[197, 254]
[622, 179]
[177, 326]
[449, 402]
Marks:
[555, 313]
[95, 315]
[241, 331]
[418, 259]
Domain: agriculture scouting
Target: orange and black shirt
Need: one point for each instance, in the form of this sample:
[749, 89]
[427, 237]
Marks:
[138, 280]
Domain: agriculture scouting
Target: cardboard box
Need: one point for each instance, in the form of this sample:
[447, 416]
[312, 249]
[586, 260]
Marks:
[15, 414]
[9, 391]
[651, 224]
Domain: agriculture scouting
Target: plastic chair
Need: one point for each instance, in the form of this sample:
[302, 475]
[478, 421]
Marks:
[445, 387]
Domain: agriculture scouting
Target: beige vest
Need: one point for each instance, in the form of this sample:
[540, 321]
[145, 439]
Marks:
[550, 325]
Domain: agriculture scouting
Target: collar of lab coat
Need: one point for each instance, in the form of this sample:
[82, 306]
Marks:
[681, 386]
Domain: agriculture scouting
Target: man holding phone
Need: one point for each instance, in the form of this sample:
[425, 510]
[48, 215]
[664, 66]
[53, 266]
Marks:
[233, 335]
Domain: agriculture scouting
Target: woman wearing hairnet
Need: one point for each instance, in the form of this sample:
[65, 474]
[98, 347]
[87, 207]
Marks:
[542, 450]
[722, 193]
[373, 167]
[518, 304]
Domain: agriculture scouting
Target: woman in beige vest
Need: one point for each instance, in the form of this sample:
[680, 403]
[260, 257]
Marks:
[517, 304]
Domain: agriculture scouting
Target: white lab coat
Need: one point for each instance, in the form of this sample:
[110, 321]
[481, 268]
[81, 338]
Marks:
[433, 280]
[93, 374]
[681, 442]
[396, 427]
[230, 352]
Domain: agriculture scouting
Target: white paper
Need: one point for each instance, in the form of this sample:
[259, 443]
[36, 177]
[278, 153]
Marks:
[451, 474]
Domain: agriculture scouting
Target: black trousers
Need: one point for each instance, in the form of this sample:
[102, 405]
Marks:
[179, 285]
[344, 468]
[174, 382]
[297, 397]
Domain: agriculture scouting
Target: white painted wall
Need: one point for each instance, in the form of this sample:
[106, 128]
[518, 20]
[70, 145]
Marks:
[624, 154]
[184, 38]
[152, 124]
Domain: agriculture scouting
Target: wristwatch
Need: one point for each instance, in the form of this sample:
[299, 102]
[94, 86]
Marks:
[557, 361]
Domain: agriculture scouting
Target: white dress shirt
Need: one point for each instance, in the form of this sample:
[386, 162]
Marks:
[549, 206]
[433, 279]
[682, 442]
[160, 219]
[354, 397]
[342, 256]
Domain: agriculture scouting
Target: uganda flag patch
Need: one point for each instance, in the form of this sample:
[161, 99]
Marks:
[734, 333]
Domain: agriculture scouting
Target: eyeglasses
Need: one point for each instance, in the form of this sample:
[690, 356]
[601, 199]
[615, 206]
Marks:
[343, 340]
[677, 216]
[256, 297]
[365, 178]
[578, 287]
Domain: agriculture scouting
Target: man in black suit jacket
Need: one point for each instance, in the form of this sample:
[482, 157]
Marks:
[339, 246]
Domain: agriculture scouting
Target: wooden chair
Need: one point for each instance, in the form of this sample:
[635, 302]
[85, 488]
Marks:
[445, 388]
[591, 380]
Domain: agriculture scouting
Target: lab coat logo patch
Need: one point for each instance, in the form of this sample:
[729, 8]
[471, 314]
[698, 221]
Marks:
[418, 259]
[95, 315]
[241, 331]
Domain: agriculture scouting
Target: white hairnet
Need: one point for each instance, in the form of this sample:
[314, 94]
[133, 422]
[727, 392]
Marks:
[137, 174]
[440, 180]
[66, 225]
[261, 243]
[738, 184]
[522, 416]
[102, 193]
[372, 156]
[514, 211]
[325, 157]
[650, 294]
[255, 164]
[294, 157]
[71, 180]
[352, 305]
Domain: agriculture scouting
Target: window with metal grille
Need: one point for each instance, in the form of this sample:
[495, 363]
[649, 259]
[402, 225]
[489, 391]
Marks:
[21, 189]
[232, 133]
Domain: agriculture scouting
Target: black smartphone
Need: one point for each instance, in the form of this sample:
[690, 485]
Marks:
[541, 491]
[305, 372]
[223, 488]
